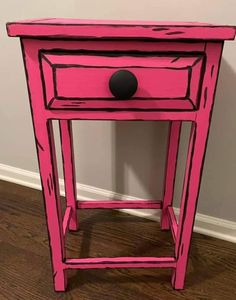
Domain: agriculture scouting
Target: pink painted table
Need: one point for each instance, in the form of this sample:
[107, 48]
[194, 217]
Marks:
[119, 70]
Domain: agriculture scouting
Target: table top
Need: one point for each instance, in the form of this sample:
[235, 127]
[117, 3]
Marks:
[81, 28]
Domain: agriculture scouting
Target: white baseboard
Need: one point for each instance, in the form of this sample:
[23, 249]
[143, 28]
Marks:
[208, 225]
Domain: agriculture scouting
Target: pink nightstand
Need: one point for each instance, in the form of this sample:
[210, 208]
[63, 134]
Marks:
[118, 70]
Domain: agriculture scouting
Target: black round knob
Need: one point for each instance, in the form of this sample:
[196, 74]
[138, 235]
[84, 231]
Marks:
[123, 84]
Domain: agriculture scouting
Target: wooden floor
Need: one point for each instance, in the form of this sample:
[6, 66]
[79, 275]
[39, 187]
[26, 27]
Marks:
[25, 269]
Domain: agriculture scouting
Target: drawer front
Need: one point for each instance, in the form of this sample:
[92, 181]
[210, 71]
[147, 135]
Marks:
[121, 81]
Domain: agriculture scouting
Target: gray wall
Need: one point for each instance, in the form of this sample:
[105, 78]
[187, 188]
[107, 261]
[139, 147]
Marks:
[126, 157]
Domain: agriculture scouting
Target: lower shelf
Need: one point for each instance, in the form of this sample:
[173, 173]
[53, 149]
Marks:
[120, 262]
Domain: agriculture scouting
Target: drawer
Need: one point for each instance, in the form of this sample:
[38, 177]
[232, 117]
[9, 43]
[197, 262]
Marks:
[110, 80]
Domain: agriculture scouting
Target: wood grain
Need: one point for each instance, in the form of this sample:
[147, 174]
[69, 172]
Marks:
[25, 269]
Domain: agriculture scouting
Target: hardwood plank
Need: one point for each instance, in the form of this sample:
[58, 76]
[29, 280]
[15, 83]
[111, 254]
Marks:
[25, 268]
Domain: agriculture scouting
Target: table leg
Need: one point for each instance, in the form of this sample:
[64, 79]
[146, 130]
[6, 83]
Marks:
[69, 170]
[50, 186]
[193, 173]
[171, 164]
